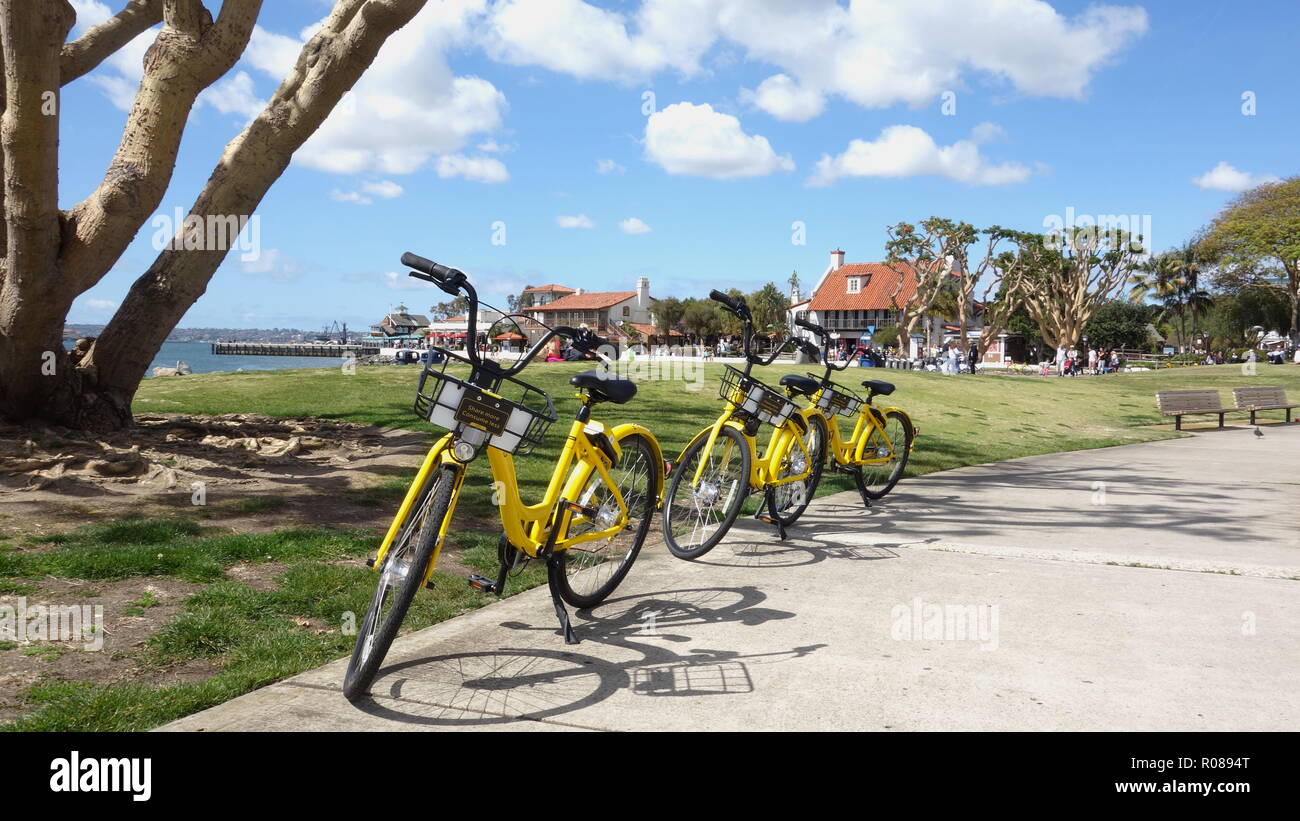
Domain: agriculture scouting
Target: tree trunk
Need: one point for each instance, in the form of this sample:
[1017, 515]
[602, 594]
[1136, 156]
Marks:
[95, 393]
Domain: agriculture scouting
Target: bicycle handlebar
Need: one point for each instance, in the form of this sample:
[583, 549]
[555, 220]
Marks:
[824, 352]
[815, 328]
[453, 281]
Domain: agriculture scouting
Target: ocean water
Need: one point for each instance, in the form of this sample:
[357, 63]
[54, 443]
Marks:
[201, 359]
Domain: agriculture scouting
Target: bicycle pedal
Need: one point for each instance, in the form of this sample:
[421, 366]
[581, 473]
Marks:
[582, 510]
[482, 583]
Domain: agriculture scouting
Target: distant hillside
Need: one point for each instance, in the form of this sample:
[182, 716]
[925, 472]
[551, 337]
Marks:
[212, 334]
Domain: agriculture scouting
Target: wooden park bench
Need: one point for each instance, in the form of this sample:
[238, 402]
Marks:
[1262, 398]
[1190, 402]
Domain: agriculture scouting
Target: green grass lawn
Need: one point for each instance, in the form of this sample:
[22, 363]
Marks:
[963, 420]
[254, 636]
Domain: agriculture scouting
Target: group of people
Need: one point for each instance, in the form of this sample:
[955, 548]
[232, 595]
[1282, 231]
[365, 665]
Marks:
[1071, 361]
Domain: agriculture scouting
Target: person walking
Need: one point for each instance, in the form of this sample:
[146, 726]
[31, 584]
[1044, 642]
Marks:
[973, 355]
[1061, 355]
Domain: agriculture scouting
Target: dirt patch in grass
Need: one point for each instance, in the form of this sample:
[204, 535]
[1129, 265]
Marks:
[133, 610]
[250, 472]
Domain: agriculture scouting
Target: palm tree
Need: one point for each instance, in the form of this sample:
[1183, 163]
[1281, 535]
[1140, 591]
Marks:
[1192, 267]
[1162, 278]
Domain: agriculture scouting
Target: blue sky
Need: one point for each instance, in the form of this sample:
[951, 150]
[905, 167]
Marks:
[486, 113]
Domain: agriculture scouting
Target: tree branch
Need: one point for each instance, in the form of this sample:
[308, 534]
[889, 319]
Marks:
[90, 49]
[180, 64]
[327, 68]
[187, 16]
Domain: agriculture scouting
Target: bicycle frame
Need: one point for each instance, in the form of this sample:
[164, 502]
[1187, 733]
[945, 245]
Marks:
[529, 527]
[852, 451]
[763, 470]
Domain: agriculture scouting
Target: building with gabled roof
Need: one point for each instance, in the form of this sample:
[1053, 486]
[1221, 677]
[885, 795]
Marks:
[856, 300]
[601, 311]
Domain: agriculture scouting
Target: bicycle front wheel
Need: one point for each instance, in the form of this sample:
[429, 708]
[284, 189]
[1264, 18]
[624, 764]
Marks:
[400, 576]
[589, 571]
[875, 480]
[697, 516]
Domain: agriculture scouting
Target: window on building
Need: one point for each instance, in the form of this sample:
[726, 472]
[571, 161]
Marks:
[855, 285]
[627, 310]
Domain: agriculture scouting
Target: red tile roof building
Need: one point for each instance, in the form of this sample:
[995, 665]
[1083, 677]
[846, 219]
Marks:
[601, 311]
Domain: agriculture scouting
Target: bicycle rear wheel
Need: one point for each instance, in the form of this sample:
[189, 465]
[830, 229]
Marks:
[697, 517]
[591, 570]
[875, 480]
[400, 576]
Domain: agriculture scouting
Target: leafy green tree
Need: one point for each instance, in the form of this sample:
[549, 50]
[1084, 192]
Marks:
[768, 306]
[1255, 240]
[1119, 324]
[702, 317]
[668, 313]
[1234, 314]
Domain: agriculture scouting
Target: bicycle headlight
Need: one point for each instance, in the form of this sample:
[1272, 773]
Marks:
[462, 451]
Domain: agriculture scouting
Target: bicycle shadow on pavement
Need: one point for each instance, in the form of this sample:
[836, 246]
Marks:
[754, 544]
[508, 685]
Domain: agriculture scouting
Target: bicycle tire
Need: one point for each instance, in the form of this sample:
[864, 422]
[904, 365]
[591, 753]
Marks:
[732, 492]
[872, 493]
[815, 421]
[367, 657]
[635, 445]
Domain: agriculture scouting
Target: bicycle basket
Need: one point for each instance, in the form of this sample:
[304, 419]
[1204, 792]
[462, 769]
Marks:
[515, 423]
[764, 403]
[835, 398]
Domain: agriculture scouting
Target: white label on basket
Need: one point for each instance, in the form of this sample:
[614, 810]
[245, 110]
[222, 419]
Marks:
[443, 412]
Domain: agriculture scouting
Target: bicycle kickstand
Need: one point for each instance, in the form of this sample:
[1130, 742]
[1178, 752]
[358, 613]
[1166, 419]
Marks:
[553, 571]
[865, 501]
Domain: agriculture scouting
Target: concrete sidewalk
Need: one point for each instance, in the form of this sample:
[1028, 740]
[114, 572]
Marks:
[1071, 627]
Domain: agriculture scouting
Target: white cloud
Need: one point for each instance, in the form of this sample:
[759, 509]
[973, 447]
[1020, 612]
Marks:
[272, 54]
[356, 197]
[783, 98]
[102, 305]
[579, 39]
[387, 189]
[609, 167]
[384, 189]
[685, 138]
[408, 107]
[908, 151]
[987, 132]
[272, 263]
[1225, 177]
[580, 221]
[633, 225]
[871, 53]
[233, 95]
[478, 169]
[490, 146]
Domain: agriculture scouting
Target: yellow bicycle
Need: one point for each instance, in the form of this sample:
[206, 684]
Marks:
[721, 465]
[876, 450]
[590, 523]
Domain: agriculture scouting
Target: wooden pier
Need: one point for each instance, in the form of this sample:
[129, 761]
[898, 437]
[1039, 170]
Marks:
[332, 349]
